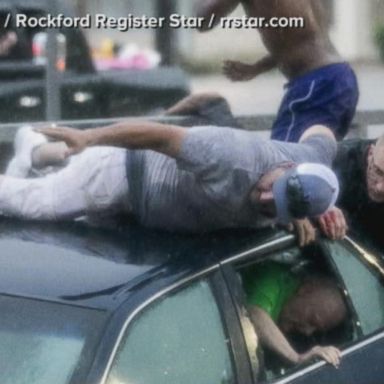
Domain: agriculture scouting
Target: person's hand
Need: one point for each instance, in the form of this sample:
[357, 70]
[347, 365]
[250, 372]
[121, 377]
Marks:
[333, 224]
[237, 71]
[306, 232]
[330, 354]
[76, 140]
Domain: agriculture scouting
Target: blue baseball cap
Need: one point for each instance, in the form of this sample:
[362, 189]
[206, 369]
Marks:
[307, 190]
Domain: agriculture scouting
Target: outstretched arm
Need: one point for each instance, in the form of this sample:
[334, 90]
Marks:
[131, 135]
[271, 336]
[220, 8]
[237, 71]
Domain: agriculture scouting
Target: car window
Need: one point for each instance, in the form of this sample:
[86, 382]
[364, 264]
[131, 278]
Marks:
[268, 283]
[178, 340]
[364, 288]
[44, 343]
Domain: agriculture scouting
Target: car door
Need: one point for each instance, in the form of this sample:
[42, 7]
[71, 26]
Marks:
[363, 353]
[362, 359]
[188, 335]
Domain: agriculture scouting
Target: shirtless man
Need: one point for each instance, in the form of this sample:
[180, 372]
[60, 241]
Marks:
[322, 88]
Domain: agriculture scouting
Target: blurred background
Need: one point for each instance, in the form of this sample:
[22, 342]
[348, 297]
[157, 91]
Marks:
[356, 27]
[102, 73]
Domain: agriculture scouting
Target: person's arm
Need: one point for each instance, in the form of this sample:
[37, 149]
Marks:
[131, 135]
[214, 155]
[271, 336]
[237, 71]
[219, 8]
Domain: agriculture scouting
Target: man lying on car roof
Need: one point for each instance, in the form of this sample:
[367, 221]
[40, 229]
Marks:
[359, 166]
[173, 178]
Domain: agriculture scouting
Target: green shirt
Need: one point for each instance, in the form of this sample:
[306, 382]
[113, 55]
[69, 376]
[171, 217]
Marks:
[269, 286]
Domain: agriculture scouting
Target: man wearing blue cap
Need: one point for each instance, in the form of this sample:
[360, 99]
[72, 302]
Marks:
[213, 109]
[173, 178]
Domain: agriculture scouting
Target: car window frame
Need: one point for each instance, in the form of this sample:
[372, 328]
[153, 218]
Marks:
[263, 252]
[357, 345]
[83, 367]
[102, 365]
[235, 290]
[348, 244]
[228, 267]
[347, 296]
[233, 322]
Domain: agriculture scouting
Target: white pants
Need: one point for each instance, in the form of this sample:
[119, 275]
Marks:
[94, 182]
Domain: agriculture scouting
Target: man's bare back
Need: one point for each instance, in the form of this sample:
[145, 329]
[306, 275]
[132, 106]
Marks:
[294, 51]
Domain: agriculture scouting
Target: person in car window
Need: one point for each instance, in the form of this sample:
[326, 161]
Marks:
[173, 178]
[322, 87]
[280, 303]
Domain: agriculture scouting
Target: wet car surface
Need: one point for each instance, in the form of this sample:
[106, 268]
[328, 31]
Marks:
[129, 305]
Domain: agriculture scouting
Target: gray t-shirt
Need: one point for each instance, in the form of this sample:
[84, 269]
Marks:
[208, 185]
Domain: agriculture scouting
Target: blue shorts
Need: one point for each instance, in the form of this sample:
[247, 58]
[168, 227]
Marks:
[326, 96]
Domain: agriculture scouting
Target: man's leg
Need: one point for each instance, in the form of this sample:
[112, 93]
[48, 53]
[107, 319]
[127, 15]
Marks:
[326, 96]
[49, 154]
[93, 181]
[205, 108]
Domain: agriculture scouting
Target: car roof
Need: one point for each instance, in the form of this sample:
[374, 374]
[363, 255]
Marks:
[77, 263]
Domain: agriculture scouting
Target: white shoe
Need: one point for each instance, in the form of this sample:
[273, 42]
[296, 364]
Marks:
[26, 140]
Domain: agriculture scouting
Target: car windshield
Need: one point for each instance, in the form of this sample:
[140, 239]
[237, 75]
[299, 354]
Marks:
[43, 342]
